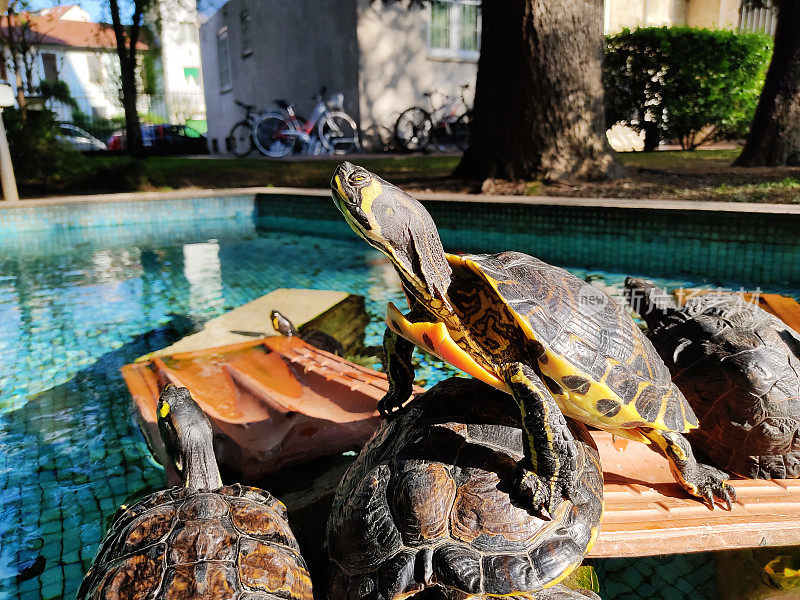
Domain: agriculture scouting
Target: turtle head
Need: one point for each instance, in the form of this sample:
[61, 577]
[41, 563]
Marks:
[188, 440]
[281, 324]
[651, 302]
[395, 223]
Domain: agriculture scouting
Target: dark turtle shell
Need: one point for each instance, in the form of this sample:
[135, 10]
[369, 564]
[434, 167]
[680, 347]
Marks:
[597, 363]
[234, 543]
[425, 505]
[739, 367]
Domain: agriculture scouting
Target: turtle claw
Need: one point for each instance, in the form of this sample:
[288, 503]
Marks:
[709, 483]
[391, 406]
[541, 496]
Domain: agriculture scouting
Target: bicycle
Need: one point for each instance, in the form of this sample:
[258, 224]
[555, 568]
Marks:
[240, 138]
[329, 129]
[448, 123]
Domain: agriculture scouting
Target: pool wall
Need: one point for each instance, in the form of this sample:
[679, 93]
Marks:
[755, 244]
[760, 249]
[49, 215]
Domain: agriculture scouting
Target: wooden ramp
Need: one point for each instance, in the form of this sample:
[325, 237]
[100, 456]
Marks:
[648, 513]
[272, 402]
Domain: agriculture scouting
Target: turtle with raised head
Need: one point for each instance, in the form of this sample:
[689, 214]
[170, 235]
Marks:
[739, 367]
[425, 507]
[559, 345]
[318, 339]
[201, 540]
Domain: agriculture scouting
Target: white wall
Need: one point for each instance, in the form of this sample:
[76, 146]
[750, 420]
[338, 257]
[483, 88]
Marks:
[296, 48]
[95, 97]
[396, 67]
[644, 13]
[180, 49]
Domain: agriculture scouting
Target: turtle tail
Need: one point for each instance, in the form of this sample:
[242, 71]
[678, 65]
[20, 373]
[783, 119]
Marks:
[650, 301]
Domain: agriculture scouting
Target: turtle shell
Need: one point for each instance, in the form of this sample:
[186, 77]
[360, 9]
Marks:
[426, 505]
[739, 367]
[234, 543]
[600, 367]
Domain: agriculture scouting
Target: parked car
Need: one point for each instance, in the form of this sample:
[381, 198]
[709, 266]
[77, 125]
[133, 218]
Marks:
[164, 139]
[79, 139]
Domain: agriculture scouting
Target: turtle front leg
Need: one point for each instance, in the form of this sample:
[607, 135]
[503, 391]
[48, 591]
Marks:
[397, 353]
[703, 481]
[547, 472]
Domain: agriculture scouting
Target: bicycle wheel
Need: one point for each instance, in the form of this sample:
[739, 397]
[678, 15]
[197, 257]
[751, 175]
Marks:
[460, 130]
[273, 135]
[338, 133]
[241, 139]
[413, 129]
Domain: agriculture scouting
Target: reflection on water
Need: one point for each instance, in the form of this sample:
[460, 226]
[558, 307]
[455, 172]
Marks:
[203, 272]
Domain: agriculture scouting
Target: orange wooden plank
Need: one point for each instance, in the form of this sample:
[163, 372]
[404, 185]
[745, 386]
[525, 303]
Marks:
[647, 513]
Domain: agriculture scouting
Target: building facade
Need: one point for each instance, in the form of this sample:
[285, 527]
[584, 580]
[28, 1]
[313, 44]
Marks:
[178, 85]
[383, 57]
[69, 47]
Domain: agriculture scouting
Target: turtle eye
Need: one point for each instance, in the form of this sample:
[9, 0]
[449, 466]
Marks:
[357, 178]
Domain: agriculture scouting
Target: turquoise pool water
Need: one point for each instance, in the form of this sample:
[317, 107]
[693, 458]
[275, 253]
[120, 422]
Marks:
[76, 304]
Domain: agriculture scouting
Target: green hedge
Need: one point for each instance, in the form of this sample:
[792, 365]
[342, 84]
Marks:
[684, 83]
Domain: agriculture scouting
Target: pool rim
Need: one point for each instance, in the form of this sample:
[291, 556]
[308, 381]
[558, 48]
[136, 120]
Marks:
[618, 203]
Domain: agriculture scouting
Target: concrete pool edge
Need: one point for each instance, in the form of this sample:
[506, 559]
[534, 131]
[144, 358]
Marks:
[618, 203]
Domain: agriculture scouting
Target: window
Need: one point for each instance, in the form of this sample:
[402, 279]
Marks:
[96, 72]
[244, 20]
[49, 66]
[455, 28]
[187, 33]
[223, 60]
[758, 19]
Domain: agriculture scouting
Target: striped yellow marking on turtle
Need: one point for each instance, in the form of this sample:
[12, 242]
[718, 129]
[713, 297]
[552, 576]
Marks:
[578, 405]
[339, 197]
[437, 339]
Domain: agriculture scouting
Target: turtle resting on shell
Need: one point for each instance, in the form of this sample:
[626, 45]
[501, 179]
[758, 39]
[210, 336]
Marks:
[739, 367]
[424, 506]
[557, 344]
[202, 540]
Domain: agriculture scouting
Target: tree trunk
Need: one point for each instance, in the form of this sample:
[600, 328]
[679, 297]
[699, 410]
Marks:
[539, 94]
[126, 51]
[774, 138]
[133, 130]
[12, 25]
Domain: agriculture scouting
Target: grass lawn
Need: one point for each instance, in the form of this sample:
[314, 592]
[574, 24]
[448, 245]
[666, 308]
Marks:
[699, 175]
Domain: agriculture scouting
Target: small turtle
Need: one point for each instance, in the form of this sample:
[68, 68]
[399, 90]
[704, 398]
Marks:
[201, 540]
[318, 339]
[739, 367]
[559, 345]
[424, 506]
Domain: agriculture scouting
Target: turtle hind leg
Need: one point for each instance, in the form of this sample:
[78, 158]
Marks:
[397, 353]
[549, 468]
[701, 480]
